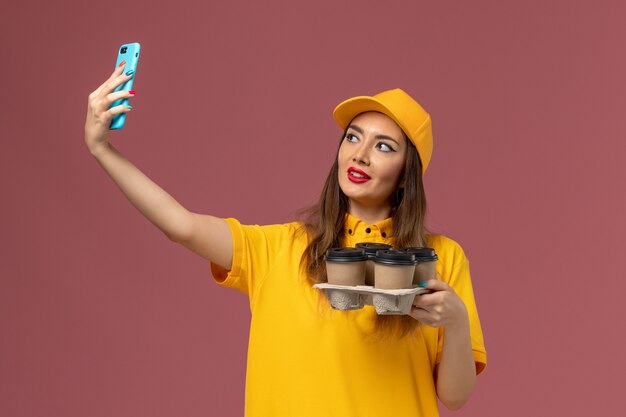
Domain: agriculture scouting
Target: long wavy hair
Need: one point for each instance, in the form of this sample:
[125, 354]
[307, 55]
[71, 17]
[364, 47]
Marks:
[325, 226]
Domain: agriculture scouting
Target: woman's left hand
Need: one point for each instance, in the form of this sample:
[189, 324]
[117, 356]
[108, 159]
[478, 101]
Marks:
[442, 307]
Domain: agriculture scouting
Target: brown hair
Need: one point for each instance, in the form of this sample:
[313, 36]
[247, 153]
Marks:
[325, 224]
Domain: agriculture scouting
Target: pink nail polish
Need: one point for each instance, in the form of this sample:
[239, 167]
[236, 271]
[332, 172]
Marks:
[132, 91]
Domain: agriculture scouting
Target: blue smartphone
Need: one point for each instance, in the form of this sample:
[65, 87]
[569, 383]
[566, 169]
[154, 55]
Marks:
[130, 53]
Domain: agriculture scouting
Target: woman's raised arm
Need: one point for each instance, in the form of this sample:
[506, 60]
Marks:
[207, 236]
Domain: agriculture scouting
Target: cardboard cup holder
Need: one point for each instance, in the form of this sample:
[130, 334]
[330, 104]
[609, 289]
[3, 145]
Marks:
[347, 297]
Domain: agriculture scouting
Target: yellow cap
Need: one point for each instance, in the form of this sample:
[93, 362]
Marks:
[401, 107]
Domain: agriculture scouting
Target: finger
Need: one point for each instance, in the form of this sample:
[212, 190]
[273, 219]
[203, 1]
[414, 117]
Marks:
[119, 68]
[112, 97]
[425, 310]
[111, 84]
[116, 72]
[116, 110]
[435, 285]
[119, 80]
[423, 316]
[418, 313]
[427, 300]
[98, 106]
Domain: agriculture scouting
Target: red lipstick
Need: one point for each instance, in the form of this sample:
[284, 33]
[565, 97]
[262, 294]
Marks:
[357, 176]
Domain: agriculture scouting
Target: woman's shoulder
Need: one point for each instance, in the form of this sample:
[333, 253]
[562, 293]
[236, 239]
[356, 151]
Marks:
[290, 231]
[445, 247]
[279, 230]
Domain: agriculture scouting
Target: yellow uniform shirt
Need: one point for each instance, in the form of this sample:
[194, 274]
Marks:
[306, 359]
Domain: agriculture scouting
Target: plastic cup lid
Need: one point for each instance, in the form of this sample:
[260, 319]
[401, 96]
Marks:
[371, 248]
[345, 255]
[394, 257]
[421, 254]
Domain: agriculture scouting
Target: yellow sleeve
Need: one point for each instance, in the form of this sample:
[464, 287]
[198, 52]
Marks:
[459, 279]
[255, 250]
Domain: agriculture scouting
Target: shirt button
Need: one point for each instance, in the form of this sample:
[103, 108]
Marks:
[368, 230]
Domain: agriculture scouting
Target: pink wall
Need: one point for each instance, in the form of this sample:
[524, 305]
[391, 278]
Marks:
[101, 315]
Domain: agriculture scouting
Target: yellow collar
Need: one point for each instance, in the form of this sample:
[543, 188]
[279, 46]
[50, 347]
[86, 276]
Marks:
[357, 231]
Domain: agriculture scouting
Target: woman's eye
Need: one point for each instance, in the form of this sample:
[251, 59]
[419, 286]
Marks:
[350, 137]
[385, 148]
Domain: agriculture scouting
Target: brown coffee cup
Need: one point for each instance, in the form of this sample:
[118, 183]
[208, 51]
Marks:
[393, 269]
[345, 266]
[426, 260]
[370, 250]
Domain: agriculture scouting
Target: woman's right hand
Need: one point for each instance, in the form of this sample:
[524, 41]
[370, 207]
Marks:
[98, 113]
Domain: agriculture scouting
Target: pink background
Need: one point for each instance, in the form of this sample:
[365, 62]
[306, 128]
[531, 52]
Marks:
[101, 315]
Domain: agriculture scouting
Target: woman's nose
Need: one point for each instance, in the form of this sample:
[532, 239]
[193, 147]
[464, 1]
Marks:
[361, 155]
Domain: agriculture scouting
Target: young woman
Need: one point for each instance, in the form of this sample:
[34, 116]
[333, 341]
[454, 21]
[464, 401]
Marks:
[305, 358]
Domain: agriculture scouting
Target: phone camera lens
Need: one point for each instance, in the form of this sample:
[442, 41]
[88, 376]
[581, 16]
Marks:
[123, 51]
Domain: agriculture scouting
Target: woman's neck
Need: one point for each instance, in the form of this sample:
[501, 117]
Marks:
[369, 214]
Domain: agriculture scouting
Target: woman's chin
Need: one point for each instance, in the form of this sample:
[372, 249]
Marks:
[367, 203]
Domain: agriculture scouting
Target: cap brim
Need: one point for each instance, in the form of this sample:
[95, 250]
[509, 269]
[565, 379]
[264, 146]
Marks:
[349, 109]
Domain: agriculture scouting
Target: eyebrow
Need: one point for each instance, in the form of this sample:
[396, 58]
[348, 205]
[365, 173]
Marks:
[358, 129]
